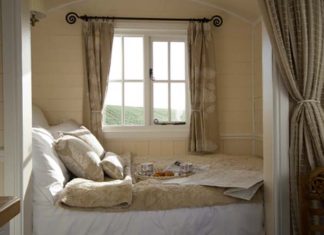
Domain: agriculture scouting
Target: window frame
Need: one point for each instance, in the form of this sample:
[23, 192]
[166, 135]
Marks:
[168, 39]
[149, 130]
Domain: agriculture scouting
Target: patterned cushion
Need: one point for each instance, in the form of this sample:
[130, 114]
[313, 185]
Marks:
[79, 158]
[113, 165]
[84, 134]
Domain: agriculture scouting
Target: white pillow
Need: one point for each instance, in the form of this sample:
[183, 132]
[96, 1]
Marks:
[67, 126]
[39, 119]
[49, 173]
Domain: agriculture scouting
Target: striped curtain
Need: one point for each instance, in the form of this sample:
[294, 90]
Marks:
[296, 29]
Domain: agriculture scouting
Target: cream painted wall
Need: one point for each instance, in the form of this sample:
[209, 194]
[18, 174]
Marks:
[58, 74]
[57, 69]
[1, 113]
[233, 42]
[257, 93]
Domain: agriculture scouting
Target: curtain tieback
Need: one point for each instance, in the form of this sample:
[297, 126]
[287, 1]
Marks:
[96, 111]
[195, 110]
[308, 101]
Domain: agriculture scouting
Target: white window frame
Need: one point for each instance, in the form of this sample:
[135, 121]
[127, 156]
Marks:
[149, 130]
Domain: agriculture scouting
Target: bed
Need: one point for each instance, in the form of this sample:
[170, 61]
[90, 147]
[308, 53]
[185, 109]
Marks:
[50, 178]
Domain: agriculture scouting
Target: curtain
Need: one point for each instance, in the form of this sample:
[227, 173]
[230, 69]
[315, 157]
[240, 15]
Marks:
[97, 43]
[296, 29]
[203, 135]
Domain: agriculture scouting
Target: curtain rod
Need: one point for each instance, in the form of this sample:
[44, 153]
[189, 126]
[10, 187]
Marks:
[72, 17]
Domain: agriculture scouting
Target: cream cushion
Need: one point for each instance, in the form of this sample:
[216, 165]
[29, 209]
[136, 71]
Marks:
[113, 165]
[79, 158]
[84, 134]
[69, 125]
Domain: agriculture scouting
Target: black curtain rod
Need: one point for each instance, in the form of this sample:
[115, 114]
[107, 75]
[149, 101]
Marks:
[72, 17]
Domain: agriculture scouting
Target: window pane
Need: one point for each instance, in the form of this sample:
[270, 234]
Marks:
[134, 104]
[160, 101]
[178, 102]
[160, 60]
[177, 61]
[133, 58]
[116, 60]
[113, 110]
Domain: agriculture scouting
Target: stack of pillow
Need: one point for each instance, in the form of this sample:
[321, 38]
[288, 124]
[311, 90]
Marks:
[84, 156]
[78, 151]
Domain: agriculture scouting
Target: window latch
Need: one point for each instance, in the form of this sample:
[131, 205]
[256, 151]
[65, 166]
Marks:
[157, 122]
[151, 74]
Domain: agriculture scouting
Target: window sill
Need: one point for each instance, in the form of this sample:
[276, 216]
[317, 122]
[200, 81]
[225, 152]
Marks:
[152, 132]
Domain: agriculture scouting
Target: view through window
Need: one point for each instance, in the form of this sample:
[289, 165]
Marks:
[147, 82]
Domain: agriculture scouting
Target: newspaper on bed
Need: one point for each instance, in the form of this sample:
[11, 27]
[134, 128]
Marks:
[243, 183]
[245, 194]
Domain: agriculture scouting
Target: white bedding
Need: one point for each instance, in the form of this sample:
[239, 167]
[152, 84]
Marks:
[233, 219]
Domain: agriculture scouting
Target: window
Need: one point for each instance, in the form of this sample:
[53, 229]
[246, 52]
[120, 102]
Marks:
[125, 98]
[147, 82]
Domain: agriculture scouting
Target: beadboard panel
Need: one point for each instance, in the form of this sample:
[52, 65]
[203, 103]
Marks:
[1, 113]
[159, 148]
[257, 89]
[154, 148]
[233, 51]
[57, 69]
[259, 147]
[1, 177]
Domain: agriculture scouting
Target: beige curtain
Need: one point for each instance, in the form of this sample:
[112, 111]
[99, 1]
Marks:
[203, 135]
[296, 29]
[97, 44]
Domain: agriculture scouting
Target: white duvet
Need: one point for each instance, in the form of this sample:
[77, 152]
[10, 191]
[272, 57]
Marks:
[234, 219]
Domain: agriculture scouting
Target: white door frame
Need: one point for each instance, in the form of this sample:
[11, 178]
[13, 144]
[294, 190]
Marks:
[17, 109]
[275, 144]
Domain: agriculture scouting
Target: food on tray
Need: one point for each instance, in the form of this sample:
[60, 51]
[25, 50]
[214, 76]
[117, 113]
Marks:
[163, 173]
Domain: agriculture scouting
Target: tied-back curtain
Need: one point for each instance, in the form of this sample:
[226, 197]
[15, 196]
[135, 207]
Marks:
[203, 135]
[97, 43]
[296, 29]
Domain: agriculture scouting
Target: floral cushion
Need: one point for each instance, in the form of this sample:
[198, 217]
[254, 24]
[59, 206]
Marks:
[79, 158]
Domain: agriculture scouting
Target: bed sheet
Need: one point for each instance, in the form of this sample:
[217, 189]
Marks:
[232, 219]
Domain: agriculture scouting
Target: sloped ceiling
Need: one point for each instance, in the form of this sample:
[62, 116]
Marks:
[246, 9]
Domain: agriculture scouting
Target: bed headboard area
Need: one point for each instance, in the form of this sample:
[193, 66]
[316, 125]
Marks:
[49, 173]
[39, 119]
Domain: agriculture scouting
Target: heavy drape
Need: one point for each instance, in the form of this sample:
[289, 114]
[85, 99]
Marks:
[97, 44]
[203, 135]
[296, 29]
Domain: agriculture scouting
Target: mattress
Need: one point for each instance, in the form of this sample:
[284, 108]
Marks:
[232, 219]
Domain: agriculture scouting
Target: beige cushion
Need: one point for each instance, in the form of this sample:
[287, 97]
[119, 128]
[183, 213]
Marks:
[84, 134]
[113, 165]
[79, 158]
